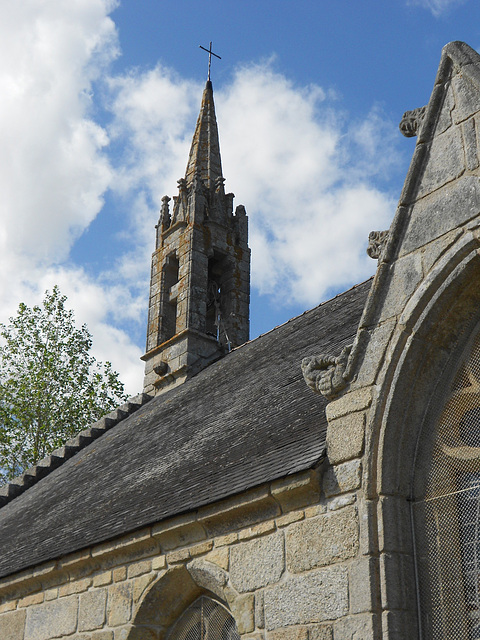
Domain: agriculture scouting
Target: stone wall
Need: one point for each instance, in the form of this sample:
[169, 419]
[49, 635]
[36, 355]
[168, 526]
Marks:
[423, 306]
[288, 559]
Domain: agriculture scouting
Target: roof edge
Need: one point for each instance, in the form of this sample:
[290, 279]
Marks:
[456, 53]
[281, 490]
[304, 313]
[34, 474]
[73, 446]
[461, 54]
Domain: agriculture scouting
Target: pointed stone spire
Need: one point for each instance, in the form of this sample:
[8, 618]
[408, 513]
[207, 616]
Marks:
[204, 159]
[200, 278]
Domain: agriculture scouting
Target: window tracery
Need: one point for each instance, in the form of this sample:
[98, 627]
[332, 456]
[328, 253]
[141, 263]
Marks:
[446, 508]
[205, 619]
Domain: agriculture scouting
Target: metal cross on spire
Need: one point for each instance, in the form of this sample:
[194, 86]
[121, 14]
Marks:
[210, 54]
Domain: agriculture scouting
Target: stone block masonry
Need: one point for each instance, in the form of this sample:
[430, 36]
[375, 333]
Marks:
[200, 275]
[291, 575]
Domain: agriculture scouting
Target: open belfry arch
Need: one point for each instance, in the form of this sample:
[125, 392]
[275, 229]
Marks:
[200, 277]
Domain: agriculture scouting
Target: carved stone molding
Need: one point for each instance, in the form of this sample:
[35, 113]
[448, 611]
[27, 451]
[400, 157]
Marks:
[376, 243]
[165, 218]
[324, 373]
[412, 121]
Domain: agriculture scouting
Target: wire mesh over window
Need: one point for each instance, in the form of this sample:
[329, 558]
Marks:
[446, 509]
[205, 619]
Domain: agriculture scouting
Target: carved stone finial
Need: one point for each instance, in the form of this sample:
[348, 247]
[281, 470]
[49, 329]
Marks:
[324, 373]
[165, 213]
[182, 185]
[219, 184]
[197, 183]
[412, 121]
[240, 210]
[376, 243]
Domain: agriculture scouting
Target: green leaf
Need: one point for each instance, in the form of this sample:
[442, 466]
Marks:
[51, 386]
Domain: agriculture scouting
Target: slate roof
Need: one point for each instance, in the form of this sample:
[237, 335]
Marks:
[246, 420]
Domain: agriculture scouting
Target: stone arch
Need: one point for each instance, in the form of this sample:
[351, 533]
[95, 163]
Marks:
[436, 323]
[173, 592]
[431, 332]
[206, 618]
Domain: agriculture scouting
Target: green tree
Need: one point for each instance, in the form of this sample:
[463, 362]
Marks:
[51, 387]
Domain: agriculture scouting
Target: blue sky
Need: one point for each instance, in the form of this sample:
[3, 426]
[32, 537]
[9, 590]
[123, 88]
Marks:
[99, 106]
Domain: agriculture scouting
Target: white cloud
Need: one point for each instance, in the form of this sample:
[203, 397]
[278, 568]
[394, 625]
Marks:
[305, 178]
[92, 303]
[305, 172]
[437, 7]
[53, 167]
[304, 175]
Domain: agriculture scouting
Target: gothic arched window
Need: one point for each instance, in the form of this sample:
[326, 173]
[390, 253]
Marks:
[446, 507]
[205, 619]
[168, 309]
[219, 289]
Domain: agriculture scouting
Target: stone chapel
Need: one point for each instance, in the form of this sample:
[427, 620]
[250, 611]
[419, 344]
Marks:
[321, 482]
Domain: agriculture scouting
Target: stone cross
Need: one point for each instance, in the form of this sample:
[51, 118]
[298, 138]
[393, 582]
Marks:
[210, 54]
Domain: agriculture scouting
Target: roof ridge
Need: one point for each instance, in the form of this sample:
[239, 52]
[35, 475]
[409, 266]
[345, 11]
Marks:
[42, 468]
[320, 304]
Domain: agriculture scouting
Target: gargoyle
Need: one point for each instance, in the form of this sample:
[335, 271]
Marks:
[376, 243]
[324, 373]
[412, 121]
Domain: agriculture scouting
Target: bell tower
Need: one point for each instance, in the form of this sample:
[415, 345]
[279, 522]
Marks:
[200, 278]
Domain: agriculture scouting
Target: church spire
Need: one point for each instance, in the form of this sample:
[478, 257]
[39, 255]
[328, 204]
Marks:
[200, 279]
[204, 159]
